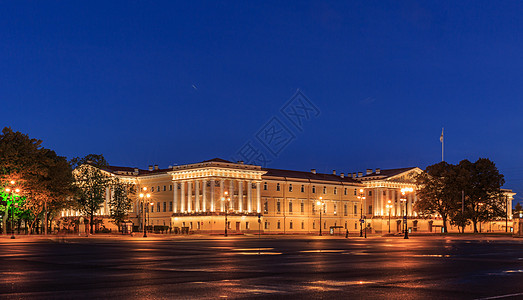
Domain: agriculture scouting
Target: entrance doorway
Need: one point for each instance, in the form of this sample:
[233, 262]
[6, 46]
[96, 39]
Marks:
[237, 226]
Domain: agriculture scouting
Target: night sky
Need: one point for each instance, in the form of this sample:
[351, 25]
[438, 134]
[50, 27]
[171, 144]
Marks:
[179, 82]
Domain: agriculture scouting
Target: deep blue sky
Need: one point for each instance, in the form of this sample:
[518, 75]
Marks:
[117, 78]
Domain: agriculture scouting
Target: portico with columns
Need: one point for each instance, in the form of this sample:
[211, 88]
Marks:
[199, 189]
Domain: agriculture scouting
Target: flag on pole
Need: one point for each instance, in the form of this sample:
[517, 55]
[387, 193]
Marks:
[441, 137]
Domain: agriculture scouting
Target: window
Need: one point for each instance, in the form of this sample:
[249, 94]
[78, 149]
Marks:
[355, 192]
[314, 189]
[190, 225]
[290, 206]
[325, 190]
[198, 225]
[246, 225]
[164, 188]
[158, 188]
[335, 207]
[302, 188]
[170, 206]
[302, 225]
[313, 225]
[370, 209]
[152, 189]
[265, 206]
[228, 224]
[157, 206]
[266, 225]
[324, 225]
[302, 206]
[345, 224]
[355, 209]
[335, 191]
[170, 187]
[355, 225]
[265, 186]
[313, 208]
[164, 206]
[345, 211]
[370, 193]
[278, 206]
[290, 187]
[278, 187]
[290, 224]
[384, 193]
[345, 191]
[278, 224]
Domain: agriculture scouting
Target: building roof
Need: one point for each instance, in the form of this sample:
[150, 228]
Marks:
[217, 159]
[132, 171]
[384, 173]
[307, 175]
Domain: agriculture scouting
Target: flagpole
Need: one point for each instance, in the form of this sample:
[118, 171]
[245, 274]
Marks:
[442, 145]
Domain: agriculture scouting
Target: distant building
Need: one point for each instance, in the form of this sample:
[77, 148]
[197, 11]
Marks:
[190, 198]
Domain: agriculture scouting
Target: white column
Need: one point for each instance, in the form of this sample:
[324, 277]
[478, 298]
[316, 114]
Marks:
[204, 195]
[222, 208]
[213, 207]
[240, 196]
[197, 195]
[249, 196]
[189, 196]
[175, 197]
[258, 200]
[182, 197]
[231, 192]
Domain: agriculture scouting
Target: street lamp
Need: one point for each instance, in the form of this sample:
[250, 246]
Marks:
[12, 196]
[404, 199]
[144, 196]
[321, 204]
[361, 197]
[389, 206]
[226, 199]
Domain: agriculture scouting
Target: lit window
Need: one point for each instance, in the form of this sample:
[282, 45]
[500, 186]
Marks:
[265, 206]
[335, 207]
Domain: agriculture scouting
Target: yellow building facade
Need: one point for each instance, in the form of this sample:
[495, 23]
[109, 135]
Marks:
[200, 197]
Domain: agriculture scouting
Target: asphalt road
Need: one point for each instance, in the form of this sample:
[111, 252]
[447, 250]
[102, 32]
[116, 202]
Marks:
[248, 267]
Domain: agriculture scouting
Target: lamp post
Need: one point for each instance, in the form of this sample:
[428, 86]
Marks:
[226, 199]
[12, 192]
[144, 195]
[361, 197]
[389, 206]
[321, 204]
[405, 218]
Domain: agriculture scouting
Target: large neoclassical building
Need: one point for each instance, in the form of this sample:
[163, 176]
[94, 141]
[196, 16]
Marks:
[199, 197]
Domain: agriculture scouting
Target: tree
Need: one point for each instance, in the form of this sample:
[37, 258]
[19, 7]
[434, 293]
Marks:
[120, 203]
[485, 200]
[42, 176]
[517, 208]
[437, 192]
[92, 183]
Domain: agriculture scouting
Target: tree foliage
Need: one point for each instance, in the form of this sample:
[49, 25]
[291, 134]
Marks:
[463, 193]
[43, 177]
[120, 203]
[92, 184]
